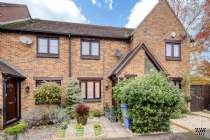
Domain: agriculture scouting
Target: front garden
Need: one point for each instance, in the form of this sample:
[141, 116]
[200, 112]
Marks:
[143, 105]
[151, 102]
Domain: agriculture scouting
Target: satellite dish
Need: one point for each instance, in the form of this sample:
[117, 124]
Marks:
[173, 34]
[118, 53]
[25, 40]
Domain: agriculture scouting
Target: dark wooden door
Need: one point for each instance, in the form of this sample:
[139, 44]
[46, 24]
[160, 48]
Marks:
[200, 97]
[11, 100]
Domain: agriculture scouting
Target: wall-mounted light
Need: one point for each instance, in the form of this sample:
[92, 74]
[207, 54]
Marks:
[27, 89]
[107, 86]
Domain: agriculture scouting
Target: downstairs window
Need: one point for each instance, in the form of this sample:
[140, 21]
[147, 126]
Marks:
[90, 89]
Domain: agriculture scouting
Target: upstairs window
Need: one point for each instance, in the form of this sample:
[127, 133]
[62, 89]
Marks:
[47, 47]
[90, 49]
[173, 51]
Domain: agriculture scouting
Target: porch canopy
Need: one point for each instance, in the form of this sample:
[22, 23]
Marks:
[10, 70]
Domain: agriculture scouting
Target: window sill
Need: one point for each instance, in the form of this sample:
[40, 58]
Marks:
[90, 57]
[173, 58]
[48, 55]
[91, 100]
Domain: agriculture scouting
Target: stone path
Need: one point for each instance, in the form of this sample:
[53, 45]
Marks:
[109, 130]
[177, 129]
[203, 114]
[190, 122]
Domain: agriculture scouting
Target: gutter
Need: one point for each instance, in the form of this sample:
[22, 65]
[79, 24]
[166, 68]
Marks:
[61, 33]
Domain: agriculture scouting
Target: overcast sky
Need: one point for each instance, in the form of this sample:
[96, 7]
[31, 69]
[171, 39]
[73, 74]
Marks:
[122, 13]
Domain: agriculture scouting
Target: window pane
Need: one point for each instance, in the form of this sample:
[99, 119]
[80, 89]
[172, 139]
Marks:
[95, 48]
[148, 66]
[85, 48]
[42, 44]
[53, 46]
[168, 49]
[176, 50]
[90, 90]
[97, 89]
[83, 89]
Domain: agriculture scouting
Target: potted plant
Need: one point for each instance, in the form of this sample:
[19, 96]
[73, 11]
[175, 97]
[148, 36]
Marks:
[112, 116]
[79, 129]
[106, 110]
[82, 112]
[97, 129]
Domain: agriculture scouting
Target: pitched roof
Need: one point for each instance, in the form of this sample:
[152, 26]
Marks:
[7, 68]
[129, 56]
[153, 9]
[66, 28]
[13, 12]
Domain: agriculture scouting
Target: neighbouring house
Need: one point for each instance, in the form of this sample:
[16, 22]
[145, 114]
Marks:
[13, 13]
[33, 51]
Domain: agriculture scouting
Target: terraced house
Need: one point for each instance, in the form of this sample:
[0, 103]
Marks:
[33, 51]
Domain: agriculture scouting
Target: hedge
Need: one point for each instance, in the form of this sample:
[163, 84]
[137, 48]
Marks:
[151, 101]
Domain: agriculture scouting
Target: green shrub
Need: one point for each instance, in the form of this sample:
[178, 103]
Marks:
[96, 113]
[73, 97]
[180, 110]
[151, 101]
[79, 126]
[38, 117]
[48, 93]
[117, 93]
[64, 125]
[16, 129]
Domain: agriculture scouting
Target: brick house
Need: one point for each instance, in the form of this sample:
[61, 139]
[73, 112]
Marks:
[97, 56]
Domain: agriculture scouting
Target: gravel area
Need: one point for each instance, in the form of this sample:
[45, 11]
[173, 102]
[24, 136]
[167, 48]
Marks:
[42, 133]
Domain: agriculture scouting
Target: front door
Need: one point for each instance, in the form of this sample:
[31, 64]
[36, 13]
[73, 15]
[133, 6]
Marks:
[11, 98]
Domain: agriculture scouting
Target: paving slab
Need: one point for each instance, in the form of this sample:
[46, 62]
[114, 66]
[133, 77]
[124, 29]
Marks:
[191, 122]
[202, 114]
[109, 130]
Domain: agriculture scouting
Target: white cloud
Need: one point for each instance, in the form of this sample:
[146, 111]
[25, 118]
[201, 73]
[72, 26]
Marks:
[107, 2]
[93, 1]
[139, 12]
[62, 10]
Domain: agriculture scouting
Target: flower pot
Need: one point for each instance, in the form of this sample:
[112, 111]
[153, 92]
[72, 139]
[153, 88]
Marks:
[82, 120]
[112, 118]
[106, 114]
[79, 132]
[97, 131]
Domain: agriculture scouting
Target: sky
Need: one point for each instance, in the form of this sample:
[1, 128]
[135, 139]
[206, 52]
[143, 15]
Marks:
[119, 13]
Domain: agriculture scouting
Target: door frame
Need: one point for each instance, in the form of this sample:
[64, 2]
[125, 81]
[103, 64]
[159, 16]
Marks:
[18, 82]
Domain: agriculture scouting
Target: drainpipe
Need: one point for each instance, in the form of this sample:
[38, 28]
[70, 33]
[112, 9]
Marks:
[69, 55]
